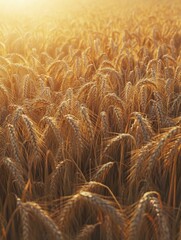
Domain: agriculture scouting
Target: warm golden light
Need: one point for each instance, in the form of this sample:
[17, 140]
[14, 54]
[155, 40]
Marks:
[17, 3]
[24, 6]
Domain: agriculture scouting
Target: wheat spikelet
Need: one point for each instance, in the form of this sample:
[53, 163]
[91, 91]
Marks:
[19, 111]
[156, 205]
[34, 209]
[152, 63]
[146, 82]
[21, 69]
[138, 159]
[57, 64]
[32, 135]
[137, 73]
[112, 99]
[15, 171]
[91, 96]
[41, 84]
[73, 122]
[157, 151]
[69, 94]
[146, 202]
[160, 52]
[24, 220]
[27, 88]
[169, 86]
[102, 172]
[113, 75]
[104, 123]
[168, 57]
[143, 98]
[103, 86]
[85, 114]
[106, 64]
[84, 89]
[167, 73]
[172, 152]
[102, 57]
[177, 72]
[63, 109]
[136, 131]
[40, 103]
[50, 83]
[118, 139]
[66, 79]
[176, 105]
[159, 114]
[132, 77]
[159, 67]
[103, 205]
[128, 91]
[85, 59]
[119, 117]
[127, 63]
[153, 74]
[145, 126]
[55, 178]
[46, 93]
[89, 71]
[68, 210]
[15, 57]
[52, 124]
[77, 67]
[14, 144]
[86, 231]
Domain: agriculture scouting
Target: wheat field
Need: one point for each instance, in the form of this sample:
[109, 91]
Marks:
[90, 122]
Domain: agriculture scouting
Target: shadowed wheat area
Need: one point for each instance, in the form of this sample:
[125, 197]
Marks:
[90, 121]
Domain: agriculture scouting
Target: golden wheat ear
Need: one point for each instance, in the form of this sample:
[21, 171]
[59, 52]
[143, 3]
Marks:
[30, 210]
[100, 208]
[33, 135]
[14, 143]
[86, 232]
[102, 172]
[151, 204]
[89, 127]
[15, 171]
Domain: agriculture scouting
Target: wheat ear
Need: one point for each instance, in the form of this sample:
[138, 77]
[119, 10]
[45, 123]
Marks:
[32, 208]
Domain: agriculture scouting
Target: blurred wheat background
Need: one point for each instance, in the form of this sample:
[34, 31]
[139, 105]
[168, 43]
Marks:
[90, 120]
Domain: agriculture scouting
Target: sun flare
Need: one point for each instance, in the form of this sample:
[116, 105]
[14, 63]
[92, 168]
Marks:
[21, 5]
[24, 6]
[17, 3]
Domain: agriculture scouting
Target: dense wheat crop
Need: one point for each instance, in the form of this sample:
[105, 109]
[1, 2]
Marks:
[90, 123]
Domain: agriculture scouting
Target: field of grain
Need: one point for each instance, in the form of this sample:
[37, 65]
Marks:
[90, 122]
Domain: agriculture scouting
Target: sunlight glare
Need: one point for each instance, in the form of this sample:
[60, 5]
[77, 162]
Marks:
[20, 5]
